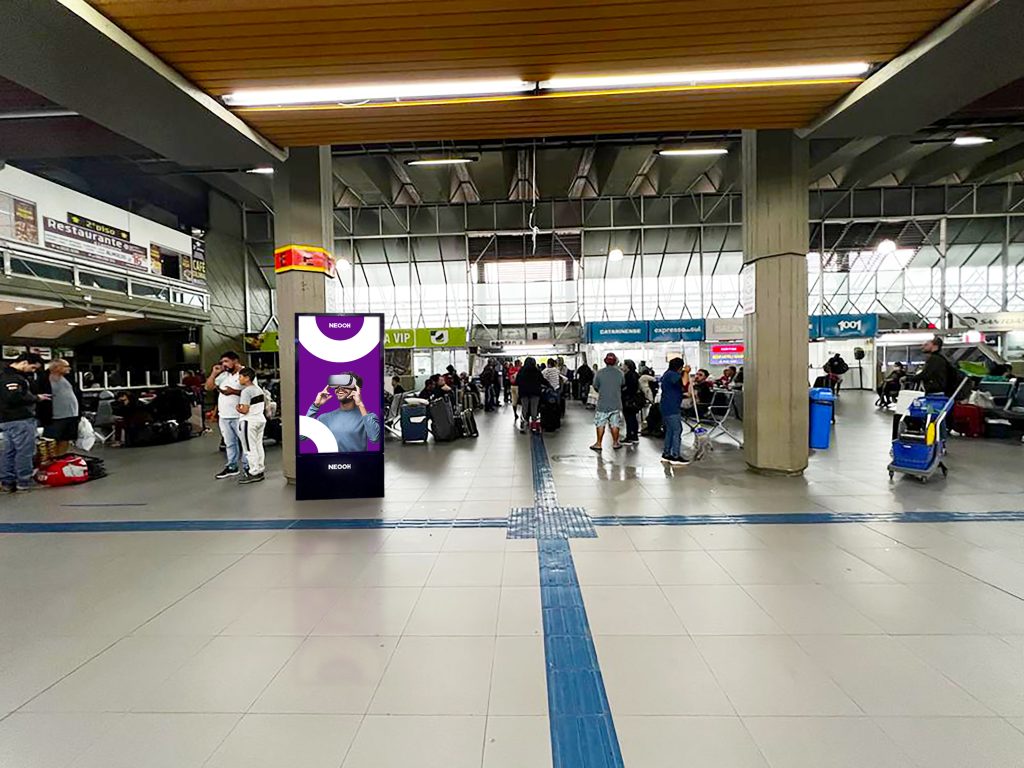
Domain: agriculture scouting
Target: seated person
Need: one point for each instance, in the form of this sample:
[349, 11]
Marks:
[351, 424]
[396, 385]
[703, 389]
[891, 385]
[727, 377]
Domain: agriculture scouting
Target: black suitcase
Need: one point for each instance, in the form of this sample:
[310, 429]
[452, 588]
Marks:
[468, 420]
[442, 420]
[655, 425]
[414, 423]
[550, 412]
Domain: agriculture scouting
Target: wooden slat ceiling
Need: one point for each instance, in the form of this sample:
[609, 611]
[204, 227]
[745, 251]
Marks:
[225, 45]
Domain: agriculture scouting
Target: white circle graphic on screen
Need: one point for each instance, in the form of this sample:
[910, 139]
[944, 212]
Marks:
[439, 338]
[339, 350]
[321, 436]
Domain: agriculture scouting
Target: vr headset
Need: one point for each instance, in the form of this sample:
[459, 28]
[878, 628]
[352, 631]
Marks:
[346, 380]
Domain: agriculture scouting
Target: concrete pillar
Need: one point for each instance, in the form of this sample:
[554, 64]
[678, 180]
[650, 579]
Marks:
[775, 216]
[303, 218]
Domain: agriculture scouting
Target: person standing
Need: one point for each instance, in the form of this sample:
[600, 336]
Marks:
[488, 380]
[61, 424]
[674, 382]
[632, 403]
[585, 376]
[225, 381]
[506, 382]
[18, 422]
[608, 384]
[530, 382]
[252, 422]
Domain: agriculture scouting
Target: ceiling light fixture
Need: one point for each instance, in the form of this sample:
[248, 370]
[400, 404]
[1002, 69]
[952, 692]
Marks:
[264, 170]
[886, 248]
[706, 77]
[90, 317]
[692, 151]
[50, 322]
[615, 254]
[971, 141]
[71, 323]
[378, 92]
[21, 309]
[443, 161]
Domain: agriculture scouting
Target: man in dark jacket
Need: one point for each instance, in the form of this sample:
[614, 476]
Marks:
[935, 375]
[18, 422]
[585, 376]
[530, 383]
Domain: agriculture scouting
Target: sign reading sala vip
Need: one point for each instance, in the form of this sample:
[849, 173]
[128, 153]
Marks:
[339, 397]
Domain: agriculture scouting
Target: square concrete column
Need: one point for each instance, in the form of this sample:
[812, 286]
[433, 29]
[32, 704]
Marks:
[775, 225]
[303, 220]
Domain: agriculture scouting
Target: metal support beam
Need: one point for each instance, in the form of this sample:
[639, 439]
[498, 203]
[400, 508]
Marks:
[68, 52]
[930, 80]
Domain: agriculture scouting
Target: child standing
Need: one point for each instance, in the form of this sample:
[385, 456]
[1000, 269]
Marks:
[251, 425]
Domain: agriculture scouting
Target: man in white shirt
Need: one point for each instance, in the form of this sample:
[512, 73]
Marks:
[553, 376]
[224, 379]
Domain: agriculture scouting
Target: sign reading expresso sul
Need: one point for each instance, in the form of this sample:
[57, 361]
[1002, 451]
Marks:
[339, 394]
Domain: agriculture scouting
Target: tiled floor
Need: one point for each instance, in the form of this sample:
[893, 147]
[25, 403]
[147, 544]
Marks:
[855, 645]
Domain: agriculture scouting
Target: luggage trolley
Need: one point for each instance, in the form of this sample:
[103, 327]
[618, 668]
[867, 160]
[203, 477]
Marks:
[920, 443]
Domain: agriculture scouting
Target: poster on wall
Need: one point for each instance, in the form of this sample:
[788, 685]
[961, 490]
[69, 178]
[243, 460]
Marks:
[339, 391]
[18, 219]
[170, 263]
[198, 261]
[77, 240]
[11, 351]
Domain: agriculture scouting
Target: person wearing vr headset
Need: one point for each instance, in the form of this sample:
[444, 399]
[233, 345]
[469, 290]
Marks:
[351, 424]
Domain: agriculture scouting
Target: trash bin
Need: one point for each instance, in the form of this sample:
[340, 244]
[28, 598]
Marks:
[822, 403]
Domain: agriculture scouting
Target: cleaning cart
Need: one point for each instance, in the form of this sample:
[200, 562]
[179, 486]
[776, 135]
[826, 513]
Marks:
[920, 443]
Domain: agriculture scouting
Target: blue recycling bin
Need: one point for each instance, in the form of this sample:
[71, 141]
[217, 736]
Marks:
[823, 402]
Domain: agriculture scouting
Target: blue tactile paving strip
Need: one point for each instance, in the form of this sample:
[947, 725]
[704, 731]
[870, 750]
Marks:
[544, 492]
[582, 731]
[552, 522]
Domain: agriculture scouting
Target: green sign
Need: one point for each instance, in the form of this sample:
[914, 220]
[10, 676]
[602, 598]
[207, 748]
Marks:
[424, 338]
[440, 337]
[399, 338]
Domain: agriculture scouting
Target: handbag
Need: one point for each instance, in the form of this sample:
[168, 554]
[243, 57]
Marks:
[86, 435]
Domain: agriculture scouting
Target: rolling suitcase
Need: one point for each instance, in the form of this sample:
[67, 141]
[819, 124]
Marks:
[968, 420]
[414, 423]
[468, 420]
[550, 411]
[442, 420]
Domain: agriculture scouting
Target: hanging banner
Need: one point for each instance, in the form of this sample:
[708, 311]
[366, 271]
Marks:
[18, 219]
[427, 338]
[198, 261]
[339, 396]
[80, 241]
[617, 332]
[847, 326]
[675, 330]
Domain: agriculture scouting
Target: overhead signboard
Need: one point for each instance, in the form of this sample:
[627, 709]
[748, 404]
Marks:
[723, 328]
[814, 327]
[303, 258]
[675, 330]
[726, 354]
[993, 321]
[399, 338]
[339, 396]
[440, 337]
[847, 326]
[617, 332]
[261, 342]
[79, 241]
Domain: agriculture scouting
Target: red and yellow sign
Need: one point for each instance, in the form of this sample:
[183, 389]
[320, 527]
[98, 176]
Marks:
[304, 258]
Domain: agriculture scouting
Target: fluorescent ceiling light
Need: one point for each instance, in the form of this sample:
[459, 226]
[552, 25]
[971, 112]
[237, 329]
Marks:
[90, 317]
[615, 254]
[71, 323]
[21, 309]
[971, 141]
[49, 322]
[706, 77]
[442, 161]
[440, 89]
[693, 151]
[886, 247]
[263, 170]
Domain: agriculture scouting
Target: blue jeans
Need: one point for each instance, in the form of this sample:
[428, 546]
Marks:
[232, 443]
[19, 450]
[673, 434]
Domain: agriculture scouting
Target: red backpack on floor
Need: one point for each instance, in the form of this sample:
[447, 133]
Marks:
[67, 470]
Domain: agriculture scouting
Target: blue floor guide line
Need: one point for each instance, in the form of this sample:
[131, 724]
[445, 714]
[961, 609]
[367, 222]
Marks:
[582, 731]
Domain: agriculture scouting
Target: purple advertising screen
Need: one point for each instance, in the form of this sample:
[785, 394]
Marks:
[339, 363]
